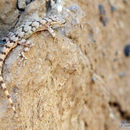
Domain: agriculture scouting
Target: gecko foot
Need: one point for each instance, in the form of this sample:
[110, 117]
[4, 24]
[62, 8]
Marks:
[27, 45]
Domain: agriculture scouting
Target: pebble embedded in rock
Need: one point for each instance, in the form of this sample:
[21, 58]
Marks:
[101, 9]
[113, 8]
[127, 50]
[103, 17]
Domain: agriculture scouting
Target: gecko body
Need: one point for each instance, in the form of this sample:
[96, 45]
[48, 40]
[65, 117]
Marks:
[20, 36]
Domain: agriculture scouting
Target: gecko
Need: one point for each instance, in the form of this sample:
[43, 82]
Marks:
[20, 37]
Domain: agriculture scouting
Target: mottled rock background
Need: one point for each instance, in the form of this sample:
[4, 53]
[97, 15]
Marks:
[80, 80]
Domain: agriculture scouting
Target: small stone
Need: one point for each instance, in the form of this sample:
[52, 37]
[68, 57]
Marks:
[127, 50]
[103, 17]
[113, 8]
[101, 9]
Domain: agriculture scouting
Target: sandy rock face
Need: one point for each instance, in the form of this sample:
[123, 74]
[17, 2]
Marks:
[8, 16]
[79, 80]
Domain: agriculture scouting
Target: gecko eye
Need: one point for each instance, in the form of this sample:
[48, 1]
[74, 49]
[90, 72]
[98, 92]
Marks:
[4, 40]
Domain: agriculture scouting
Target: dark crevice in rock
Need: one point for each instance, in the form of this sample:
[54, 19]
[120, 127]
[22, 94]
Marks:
[48, 5]
[124, 115]
[21, 5]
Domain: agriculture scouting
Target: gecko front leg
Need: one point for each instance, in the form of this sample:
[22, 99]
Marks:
[51, 31]
[27, 45]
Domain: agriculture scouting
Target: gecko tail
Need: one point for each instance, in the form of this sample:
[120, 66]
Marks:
[3, 86]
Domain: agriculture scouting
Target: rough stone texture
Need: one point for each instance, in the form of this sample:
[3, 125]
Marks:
[8, 16]
[78, 81]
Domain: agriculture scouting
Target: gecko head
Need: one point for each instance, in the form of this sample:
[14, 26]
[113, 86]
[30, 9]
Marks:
[57, 20]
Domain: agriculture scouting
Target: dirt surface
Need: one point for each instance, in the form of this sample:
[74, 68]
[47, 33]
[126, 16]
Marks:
[78, 81]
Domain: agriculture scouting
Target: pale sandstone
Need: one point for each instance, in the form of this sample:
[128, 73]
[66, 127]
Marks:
[67, 83]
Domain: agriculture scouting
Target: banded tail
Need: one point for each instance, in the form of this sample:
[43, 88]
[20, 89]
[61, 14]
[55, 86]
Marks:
[3, 54]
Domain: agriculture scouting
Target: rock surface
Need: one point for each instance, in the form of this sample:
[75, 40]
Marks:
[80, 80]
